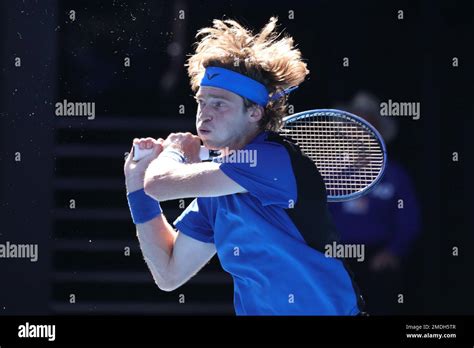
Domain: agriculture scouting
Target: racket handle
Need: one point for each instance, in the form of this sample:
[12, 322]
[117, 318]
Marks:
[204, 153]
[138, 153]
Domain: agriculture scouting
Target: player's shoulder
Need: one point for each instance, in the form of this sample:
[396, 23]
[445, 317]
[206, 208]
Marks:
[273, 150]
[268, 145]
[270, 140]
[303, 167]
[280, 143]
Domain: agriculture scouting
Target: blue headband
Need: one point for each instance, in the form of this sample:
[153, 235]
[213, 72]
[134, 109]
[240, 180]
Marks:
[237, 83]
[240, 84]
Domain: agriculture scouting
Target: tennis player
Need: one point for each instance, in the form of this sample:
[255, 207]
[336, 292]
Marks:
[261, 205]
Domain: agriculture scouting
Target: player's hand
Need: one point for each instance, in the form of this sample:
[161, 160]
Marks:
[135, 170]
[384, 260]
[188, 144]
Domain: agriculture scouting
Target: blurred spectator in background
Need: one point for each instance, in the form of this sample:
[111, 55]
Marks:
[386, 221]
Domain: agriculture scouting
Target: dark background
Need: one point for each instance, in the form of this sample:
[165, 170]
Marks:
[81, 251]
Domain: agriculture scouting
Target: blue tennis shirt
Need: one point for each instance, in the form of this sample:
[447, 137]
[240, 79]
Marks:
[271, 239]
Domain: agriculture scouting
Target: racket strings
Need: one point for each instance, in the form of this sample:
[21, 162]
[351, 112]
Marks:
[346, 154]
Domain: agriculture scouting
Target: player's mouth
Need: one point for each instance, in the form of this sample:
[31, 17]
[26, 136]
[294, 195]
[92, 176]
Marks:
[204, 131]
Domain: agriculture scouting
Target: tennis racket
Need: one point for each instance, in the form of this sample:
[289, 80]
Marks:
[347, 150]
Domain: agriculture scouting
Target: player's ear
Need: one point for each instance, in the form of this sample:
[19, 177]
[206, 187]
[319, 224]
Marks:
[256, 113]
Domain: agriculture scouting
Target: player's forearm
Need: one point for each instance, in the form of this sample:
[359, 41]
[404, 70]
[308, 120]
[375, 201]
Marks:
[157, 239]
[162, 178]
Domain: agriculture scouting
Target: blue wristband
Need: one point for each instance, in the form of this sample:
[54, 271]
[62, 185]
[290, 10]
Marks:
[143, 207]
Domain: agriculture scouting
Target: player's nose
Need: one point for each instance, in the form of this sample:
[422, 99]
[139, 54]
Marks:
[204, 116]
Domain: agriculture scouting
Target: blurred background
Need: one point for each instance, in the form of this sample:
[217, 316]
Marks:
[67, 192]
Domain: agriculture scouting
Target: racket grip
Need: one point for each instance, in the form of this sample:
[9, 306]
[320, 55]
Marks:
[138, 153]
[204, 153]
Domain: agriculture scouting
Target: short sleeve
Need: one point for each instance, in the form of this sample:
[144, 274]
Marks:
[194, 221]
[265, 171]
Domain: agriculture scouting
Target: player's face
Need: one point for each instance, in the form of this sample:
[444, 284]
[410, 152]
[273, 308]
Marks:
[221, 119]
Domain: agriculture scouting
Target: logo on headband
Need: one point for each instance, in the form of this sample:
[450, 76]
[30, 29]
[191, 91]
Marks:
[210, 77]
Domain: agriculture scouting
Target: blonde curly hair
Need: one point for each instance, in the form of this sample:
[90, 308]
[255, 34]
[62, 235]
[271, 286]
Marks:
[266, 57]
